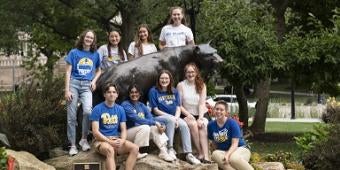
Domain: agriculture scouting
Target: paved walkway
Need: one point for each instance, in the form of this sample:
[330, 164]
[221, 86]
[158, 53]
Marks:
[309, 120]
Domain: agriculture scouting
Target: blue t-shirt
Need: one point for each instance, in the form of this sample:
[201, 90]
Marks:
[222, 136]
[137, 114]
[84, 63]
[163, 101]
[109, 118]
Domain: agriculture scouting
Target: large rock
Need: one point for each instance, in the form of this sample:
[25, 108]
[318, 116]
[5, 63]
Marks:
[27, 161]
[150, 162]
[270, 165]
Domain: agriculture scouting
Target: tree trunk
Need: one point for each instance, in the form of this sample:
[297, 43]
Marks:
[262, 94]
[243, 105]
[128, 28]
[292, 97]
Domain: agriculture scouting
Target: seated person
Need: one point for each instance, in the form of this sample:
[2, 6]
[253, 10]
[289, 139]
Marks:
[142, 126]
[225, 133]
[107, 117]
[165, 103]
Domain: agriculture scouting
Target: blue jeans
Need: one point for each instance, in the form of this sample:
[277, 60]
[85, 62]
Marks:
[81, 91]
[170, 131]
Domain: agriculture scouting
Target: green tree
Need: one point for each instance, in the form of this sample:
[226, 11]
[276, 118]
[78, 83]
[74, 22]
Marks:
[244, 34]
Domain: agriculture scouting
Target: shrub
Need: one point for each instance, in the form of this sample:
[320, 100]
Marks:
[322, 147]
[280, 156]
[332, 113]
[3, 158]
[34, 117]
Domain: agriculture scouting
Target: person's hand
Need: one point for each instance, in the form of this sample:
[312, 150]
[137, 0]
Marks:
[190, 117]
[200, 123]
[226, 159]
[176, 122]
[161, 128]
[68, 96]
[115, 142]
[93, 86]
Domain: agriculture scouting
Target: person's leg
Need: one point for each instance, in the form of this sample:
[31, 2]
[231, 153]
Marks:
[86, 101]
[140, 135]
[132, 149]
[185, 135]
[192, 124]
[218, 157]
[239, 159]
[203, 136]
[108, 151]
[170, 128]
[72, 113]
[161, 142]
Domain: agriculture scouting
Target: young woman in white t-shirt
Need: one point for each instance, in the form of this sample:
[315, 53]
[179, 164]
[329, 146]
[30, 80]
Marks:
[112, 52]
[143, 43]
[176, 34]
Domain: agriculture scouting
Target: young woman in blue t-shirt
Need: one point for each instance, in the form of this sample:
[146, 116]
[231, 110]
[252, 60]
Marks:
[165, 104]
[231, 150]
[82, 73]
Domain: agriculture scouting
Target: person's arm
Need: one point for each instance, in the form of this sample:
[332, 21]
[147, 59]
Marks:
[201, 104]
[68, 94]
[233, 147]
[131, 50]
[161, 45]
[94, 81]
[100, 137]
[190, 38]
[123, 132]
[133, 116]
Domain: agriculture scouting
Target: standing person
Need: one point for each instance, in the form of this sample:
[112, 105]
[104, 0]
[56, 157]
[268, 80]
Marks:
[193, 93]
[107, 118]
[165, 103]
[142, 126]
[176, 34]
[232, 151]
[143, 43]
[82, 73]
[112, 52]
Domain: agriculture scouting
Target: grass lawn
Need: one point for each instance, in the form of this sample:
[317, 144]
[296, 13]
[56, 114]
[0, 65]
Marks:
[279, 137]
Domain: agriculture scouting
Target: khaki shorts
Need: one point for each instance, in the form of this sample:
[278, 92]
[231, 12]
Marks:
[97, 143]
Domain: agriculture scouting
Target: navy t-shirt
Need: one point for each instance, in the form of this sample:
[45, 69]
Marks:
[137, 114]
[222, 136]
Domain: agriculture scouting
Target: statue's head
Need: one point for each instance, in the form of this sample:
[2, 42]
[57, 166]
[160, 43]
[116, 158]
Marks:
[207, 56]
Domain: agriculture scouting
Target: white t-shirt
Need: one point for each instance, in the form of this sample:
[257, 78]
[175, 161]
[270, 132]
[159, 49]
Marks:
[147, 49]
[190, 98]
[114, 58]
[175, 36]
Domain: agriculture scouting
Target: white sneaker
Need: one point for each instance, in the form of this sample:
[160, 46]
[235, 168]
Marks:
[84, 145]
[172, 153]
[73, 151]
[142, 155]
[192, 159]
[165, 156]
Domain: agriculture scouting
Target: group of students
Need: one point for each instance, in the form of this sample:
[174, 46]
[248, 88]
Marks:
[127, 128]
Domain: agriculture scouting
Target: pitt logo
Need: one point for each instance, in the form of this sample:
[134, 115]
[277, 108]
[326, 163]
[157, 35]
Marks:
[221, 136]
[141, 115]
[107, 119]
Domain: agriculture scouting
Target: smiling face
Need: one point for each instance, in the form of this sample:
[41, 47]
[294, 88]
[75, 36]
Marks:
[88, 40]
[164, 80]
[143, 34]
[114, 38]
[134, 94]
[190, 73]
[220, 111]
[177, 16]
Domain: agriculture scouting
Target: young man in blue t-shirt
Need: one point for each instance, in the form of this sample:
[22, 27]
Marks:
[107, 118]
[231, 151]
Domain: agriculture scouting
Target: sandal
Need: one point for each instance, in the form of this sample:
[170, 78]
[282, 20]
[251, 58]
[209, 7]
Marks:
[204, 161]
